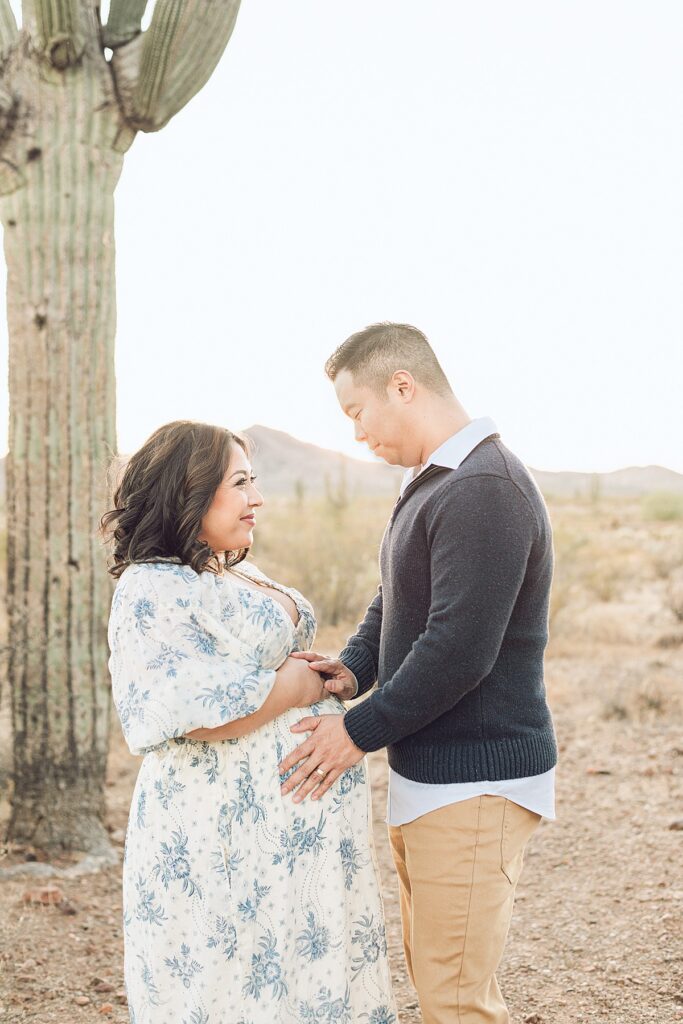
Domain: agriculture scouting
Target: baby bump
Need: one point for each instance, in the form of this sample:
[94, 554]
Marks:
[339, 797]
[285, 740]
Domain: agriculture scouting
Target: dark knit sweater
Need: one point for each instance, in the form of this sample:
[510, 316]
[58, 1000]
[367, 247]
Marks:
[456, 633]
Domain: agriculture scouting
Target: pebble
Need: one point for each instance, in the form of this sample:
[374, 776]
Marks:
[45, 894]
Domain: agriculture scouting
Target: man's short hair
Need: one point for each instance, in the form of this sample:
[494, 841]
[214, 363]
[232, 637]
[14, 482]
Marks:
[374, 354]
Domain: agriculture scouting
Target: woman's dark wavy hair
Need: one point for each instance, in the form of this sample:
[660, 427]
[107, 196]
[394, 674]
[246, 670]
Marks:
[165, 491]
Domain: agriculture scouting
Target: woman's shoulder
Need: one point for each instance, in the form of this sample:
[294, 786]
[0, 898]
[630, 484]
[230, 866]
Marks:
[250, 569]
[171, 573]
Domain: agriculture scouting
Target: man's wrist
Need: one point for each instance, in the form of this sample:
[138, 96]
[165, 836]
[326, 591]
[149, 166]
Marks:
[349, 734]
[359, 662]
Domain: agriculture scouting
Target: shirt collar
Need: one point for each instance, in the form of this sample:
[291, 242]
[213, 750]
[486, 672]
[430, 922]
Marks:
[456, 449]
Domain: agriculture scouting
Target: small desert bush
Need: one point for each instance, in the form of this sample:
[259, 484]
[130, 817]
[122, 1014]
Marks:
[663, 506]
[667, 559]
[568, 546]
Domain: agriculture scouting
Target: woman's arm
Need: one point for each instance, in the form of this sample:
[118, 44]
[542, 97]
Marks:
[295, 686]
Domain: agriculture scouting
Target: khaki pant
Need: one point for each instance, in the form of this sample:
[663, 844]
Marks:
[458, 868]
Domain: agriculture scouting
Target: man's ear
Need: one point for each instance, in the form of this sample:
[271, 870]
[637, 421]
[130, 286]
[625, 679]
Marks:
[403, 383]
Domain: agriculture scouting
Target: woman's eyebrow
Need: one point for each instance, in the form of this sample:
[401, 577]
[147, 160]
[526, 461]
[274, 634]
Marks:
[243, 471]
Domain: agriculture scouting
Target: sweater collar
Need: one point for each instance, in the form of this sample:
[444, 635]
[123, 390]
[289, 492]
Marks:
[455, 449]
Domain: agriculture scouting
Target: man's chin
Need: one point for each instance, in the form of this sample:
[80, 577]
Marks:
[391, 458]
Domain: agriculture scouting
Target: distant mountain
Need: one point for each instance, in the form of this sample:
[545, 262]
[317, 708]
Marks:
[285, 464]
[625, 483]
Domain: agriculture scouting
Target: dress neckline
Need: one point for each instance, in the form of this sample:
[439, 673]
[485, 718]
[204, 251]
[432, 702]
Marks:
[273, 586]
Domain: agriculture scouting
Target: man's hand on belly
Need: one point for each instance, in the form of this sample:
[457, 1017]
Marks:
[328, 748]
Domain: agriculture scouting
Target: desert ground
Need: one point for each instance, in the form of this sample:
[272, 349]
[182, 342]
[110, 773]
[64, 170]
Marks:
[597, 934]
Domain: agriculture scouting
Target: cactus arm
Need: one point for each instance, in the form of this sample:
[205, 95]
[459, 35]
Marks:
[124, 22]
[58, 28]
[8, 27]
[181, 48]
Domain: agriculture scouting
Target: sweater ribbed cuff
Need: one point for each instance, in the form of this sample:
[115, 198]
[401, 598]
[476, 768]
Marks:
[359, 660]
[364, 727]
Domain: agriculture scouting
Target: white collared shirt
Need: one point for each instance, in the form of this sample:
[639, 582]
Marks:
[407, 800]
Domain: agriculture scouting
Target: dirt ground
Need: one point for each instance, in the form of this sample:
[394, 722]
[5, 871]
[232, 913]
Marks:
[597, 934]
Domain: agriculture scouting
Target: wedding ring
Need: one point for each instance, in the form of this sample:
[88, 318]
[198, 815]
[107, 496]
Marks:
[321, 773]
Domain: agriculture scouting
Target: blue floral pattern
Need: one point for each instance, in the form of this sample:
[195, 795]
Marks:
[240, 907]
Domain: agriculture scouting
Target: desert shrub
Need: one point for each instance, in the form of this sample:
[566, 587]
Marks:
[605, 579]
[568, 546]
[662, 506]
[666, 561]
[651, 701]
[615, 710]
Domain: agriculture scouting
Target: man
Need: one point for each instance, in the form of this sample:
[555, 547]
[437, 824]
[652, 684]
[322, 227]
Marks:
[455, 639]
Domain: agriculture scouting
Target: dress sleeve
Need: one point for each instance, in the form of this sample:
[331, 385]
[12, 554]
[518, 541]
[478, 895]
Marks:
[176, 664]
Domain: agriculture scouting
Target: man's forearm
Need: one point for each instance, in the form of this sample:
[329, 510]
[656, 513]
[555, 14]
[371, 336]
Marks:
[361, 653]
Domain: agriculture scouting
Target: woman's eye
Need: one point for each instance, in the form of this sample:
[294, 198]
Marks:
[242, 482]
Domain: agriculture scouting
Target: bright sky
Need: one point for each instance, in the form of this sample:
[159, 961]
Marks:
[505, 176]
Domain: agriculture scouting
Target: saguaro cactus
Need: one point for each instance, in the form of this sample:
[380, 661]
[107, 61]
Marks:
[67, 116]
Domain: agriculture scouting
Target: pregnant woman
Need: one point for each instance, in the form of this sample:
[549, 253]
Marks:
[240, 905]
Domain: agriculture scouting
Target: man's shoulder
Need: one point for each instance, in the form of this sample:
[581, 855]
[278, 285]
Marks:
[490, 458]
[489, 470]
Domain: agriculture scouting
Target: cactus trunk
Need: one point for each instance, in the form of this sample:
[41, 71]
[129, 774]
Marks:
[59, 247]
[67, 116]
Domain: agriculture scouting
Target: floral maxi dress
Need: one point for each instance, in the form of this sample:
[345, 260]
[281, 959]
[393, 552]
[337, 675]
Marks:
[240, 906]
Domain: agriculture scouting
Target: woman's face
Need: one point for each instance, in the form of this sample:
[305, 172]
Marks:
[229, 522]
